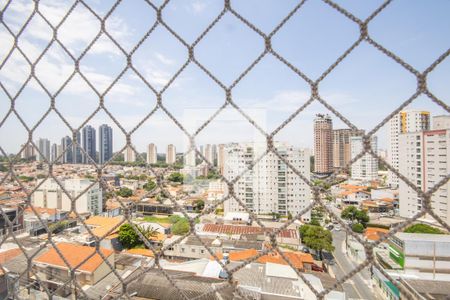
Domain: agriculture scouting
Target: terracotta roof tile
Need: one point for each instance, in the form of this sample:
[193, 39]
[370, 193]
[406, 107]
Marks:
[74, 255]
[143, 252]
[235, 229]
[7, 255]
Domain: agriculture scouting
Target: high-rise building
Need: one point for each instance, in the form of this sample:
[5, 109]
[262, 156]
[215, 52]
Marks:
[208, 154]
[403, 122]
[44, 149]
[341, 146]
[189, 159]
[105, 143]
[171, 154]
[220, 157]
[152, 154]
[59, 153]
[270, 186]
[54, 152]
[366, 167]
[129, 155]
[323, 145]
[441, 122]
[214, 154]
[28, 151]
[89, 145]
[66, 143]
[77, 155]
[425, 161]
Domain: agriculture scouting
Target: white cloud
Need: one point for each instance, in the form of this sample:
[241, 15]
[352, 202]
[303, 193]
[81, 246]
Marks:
[164, 59]
[198, 6]
[55, 66]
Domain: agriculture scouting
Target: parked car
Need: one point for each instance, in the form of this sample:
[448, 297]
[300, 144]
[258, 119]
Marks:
[337, 227]
[330, 227]
[305, 250]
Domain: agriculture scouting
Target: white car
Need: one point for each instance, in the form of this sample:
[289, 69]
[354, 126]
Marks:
[337, 227]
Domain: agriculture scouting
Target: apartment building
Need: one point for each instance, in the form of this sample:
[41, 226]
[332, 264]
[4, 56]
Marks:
[323, 145]
[171, 154]
[54, 152]
[50, 195]
[28, 151]
[89, 145]
[67, 149]
[129, 155]
[425, 161]
[341, 146]
[401, 123]
[270, 186]
[423, 256]
[365, 168]
[44, 149]
[105, 143]
[220, 157]
[152, 154]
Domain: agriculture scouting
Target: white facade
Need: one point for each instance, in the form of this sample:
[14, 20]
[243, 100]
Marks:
[209, 154]
[365, 168]
[129, 155]
[189, 158]
[403, 122]
[441, 122]
[171, 154]
[50, 195]
[152, 154]
[270, 186]
[425, 161]
[426, 256]
[28, 151]
[44, 149]
[220, 157]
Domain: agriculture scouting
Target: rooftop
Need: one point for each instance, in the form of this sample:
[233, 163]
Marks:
[104, 225]
[236, 229]
[74, 255]
[423, 237]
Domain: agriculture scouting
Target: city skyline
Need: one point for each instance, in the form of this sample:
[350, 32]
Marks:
[279, 92]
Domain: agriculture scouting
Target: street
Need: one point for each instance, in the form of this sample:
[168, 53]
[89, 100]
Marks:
[360, 285]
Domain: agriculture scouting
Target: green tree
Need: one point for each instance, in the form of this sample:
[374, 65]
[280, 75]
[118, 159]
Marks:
[315, 222]
[289, 215]
[174, 219]
[150, 185]
[3, 168]
[181, 227]
[199, 205]
[131, 239]
[26, 178]
[176, 177]
[125, 192]
[128, 236]
[148, 232]
[358, 227]
[423, 228]
[317, 238]
[352, 213]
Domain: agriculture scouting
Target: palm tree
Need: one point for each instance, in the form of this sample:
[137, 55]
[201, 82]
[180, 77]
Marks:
[148, 231]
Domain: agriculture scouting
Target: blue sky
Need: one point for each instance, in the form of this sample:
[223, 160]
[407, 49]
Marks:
[364, 88]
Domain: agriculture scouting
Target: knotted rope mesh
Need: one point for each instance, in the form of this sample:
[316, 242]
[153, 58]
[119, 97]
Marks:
[121, 287]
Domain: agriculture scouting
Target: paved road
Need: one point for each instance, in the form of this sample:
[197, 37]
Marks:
[360, 285]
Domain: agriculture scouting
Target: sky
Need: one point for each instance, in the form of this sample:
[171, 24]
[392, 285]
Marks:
[364, 88]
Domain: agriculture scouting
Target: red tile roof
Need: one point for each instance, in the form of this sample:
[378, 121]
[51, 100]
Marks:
[236, 229]
[74, 255]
